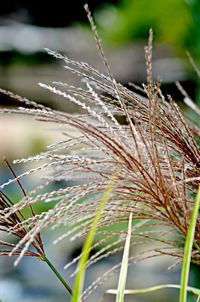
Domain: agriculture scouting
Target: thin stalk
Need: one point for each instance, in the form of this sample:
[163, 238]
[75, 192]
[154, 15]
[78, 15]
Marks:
[52, 267]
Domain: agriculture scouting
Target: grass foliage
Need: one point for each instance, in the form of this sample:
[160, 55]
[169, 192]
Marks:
[124, 266]
[146, 290]
[79, 280]
[189, 243]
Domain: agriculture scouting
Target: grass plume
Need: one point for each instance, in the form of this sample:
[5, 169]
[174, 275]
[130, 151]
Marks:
[155, 151]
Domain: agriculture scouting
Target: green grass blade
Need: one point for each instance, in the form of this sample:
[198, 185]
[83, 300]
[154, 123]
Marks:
[80, 276]
[193, 290]
[188, 249]
[124, 266]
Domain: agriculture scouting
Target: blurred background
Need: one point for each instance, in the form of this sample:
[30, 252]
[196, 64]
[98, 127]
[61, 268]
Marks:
[26, 28]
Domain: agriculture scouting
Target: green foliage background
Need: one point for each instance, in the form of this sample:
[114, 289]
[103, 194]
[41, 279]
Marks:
[174, 22]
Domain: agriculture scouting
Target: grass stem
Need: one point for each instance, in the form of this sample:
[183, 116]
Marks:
[52, 267]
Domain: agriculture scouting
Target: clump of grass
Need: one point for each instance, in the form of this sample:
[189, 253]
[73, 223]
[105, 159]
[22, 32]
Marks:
[17, 224]
[11, 222]
[155, 151]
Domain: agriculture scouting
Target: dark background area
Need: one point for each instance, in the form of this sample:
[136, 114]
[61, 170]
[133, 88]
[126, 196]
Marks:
[176, 25]
[48, 13]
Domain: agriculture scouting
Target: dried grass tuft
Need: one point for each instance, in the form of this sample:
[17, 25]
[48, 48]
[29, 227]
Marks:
[155, 151]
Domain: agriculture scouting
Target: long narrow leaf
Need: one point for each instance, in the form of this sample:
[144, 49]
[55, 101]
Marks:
[79, 280]
[124, 266]
[193, 290]
[188, 249]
